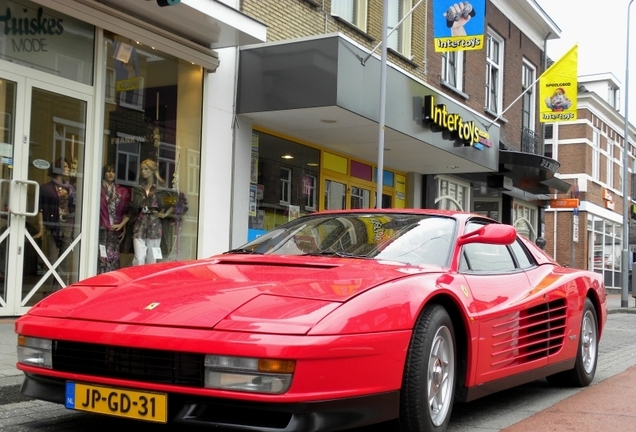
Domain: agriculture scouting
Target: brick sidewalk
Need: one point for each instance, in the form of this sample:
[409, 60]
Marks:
[606, 406]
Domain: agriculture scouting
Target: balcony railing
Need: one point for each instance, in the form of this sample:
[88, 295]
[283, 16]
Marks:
[529, 141]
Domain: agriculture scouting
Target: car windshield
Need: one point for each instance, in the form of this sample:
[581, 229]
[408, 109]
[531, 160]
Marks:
[407, 238]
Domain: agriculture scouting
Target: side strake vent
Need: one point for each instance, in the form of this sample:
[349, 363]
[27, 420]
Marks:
[529, 335]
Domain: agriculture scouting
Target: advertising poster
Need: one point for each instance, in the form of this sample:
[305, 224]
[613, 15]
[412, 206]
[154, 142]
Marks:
[459, 26]
[253, 206]
[558, 87]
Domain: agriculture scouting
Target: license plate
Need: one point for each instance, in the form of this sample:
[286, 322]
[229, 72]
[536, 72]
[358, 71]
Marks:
[140, 405]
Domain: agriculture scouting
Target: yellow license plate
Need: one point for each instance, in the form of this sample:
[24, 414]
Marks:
[140, 405]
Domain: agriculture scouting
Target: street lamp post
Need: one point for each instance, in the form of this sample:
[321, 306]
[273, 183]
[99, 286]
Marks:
[625, 251]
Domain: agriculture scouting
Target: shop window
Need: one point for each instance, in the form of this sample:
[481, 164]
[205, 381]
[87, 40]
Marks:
[335, 195]
[360, 198]
[283, 181]
[452, 194]
[153, 103]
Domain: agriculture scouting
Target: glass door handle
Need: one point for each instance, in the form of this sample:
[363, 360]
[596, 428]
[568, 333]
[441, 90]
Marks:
[4, 209]
[20, 212]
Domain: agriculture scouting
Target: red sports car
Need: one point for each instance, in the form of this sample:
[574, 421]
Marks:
[332, 321]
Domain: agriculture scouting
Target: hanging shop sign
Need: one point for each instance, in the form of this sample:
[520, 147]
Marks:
[438, 119]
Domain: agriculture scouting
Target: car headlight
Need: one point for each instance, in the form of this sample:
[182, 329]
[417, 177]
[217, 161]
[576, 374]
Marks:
[35, 351]
[248, 374]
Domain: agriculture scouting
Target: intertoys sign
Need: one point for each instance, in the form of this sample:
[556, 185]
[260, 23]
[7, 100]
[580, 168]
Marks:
[438, 119]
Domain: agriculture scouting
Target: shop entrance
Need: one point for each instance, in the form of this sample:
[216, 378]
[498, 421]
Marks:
[42, 146]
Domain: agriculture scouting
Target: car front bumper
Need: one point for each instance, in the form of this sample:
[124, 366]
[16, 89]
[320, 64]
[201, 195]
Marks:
[312, 416]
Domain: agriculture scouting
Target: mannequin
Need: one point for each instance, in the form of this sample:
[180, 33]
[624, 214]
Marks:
[147, 208]
[113, 217]
[56, 217]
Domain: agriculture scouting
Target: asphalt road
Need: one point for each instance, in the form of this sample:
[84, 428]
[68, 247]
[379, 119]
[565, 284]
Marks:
[617, 352]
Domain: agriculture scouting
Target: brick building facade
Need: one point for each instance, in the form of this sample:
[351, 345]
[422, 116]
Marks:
[590, 150]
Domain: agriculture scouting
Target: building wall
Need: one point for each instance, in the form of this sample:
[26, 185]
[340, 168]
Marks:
[601, 196]
[291, 19]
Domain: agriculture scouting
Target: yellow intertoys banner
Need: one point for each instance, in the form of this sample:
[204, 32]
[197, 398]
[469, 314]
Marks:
[558, 87]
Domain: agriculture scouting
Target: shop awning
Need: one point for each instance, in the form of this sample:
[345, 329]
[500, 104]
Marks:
[191, 29]
[209, 23]
[531, 172]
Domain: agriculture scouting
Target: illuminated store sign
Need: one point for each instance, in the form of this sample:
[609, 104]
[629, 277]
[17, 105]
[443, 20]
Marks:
[440, 120]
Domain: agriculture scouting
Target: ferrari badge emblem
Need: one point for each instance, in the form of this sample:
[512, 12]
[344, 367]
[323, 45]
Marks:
[151, 306]
[465, 290]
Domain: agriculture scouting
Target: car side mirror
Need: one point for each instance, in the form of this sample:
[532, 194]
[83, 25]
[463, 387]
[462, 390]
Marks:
[497, 234]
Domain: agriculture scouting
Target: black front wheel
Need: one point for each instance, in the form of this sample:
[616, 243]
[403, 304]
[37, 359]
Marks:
[428, 387]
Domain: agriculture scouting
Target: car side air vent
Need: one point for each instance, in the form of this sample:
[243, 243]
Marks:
[530, 334]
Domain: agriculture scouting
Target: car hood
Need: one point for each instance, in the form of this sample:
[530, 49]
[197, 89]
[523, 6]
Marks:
[232, 292]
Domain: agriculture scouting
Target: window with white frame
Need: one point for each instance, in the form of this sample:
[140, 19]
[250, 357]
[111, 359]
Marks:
[109, 94]
[285, 185]
[613, 96]
[596, 154]
[193, 171]
[609, 180]
[400, 39]
[127, 160]
[452, 194]
[494, 72]
[309, 189]
[528, 104]
[352, 11]
[453, 69]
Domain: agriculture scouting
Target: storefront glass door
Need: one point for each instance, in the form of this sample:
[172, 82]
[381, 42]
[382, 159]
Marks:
[43, 131]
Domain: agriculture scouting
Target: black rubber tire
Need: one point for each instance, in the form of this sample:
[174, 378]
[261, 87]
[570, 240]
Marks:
[429, 373]
[587, 355]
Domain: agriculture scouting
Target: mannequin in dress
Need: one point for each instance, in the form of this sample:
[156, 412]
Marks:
[113, 217]
[147, 209]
